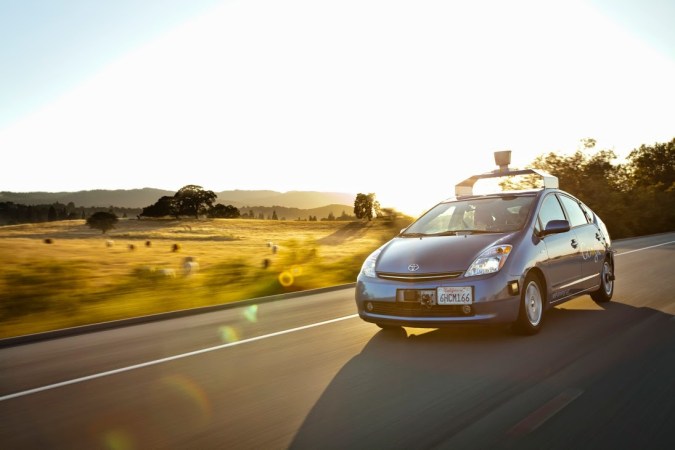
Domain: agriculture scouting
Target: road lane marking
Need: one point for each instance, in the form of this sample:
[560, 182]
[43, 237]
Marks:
[210, 349]
[645, 248]
[170, 358]
[544, 412]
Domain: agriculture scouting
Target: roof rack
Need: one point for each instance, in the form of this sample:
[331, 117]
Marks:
[503, 159]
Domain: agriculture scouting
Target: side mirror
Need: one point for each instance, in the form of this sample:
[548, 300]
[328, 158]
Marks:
[555, 227]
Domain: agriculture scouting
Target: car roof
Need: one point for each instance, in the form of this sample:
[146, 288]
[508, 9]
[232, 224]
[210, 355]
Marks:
[521, 193]
[465, 187]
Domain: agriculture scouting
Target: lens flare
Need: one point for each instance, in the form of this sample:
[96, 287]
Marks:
[286, 278]
[118, 429]
[194, 399]
[118, 440]
[228, 334]
[251, 313]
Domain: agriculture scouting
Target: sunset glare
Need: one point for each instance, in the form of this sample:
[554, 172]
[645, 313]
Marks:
[400, 98]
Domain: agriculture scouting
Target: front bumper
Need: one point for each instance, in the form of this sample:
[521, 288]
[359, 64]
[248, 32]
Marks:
[493, 302]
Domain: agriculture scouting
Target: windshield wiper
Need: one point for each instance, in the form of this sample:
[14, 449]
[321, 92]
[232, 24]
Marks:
[455, 232]
[414, 234]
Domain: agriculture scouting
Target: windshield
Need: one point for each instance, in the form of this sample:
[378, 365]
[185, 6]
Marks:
[480, 215]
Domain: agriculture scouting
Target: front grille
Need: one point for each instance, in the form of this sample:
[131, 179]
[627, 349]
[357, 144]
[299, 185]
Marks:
[410, 309]
[418, 277]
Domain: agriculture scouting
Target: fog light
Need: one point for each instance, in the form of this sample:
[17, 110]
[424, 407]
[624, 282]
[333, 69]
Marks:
[513, 288]
[369, 306]
[466, 309]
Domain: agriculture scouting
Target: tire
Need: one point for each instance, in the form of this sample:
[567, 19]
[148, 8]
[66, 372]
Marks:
[532, 305]
[606, 290]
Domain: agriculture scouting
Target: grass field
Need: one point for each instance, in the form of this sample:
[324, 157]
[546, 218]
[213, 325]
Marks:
[85, 277]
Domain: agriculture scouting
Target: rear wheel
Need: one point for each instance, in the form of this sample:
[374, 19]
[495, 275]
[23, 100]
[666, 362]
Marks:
[604, 294]
[532, 303]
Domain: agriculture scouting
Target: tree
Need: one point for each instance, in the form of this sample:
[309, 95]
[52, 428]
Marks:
[595, 180]
[224, 212]
[274, 215]
[345, 216]
[633, 199]
[193, 200]
[163, 207]
[651, 180]
[653, 165]
[366, 207]
[102, 220]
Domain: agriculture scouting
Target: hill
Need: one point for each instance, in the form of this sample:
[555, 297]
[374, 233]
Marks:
[140, 198]
[123, 198]
[290, 199]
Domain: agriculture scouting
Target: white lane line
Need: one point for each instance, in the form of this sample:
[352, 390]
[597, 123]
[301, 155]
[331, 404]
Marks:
[645, 248]
[210, 349]
[170, 358]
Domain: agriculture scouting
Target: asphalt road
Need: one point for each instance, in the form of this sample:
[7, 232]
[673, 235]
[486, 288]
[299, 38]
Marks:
[306, 373]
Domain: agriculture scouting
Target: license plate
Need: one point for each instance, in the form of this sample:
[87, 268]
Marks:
[424, 296]
[452, 295]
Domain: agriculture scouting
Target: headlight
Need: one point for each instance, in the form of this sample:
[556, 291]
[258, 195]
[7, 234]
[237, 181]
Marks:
[368, 267]
[490, 261]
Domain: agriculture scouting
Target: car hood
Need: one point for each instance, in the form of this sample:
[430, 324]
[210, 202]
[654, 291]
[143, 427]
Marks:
[434, 254]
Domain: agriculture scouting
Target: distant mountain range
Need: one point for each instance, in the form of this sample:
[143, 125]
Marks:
[140, 198]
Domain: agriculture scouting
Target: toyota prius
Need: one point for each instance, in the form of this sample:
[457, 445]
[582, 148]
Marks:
[503, 257]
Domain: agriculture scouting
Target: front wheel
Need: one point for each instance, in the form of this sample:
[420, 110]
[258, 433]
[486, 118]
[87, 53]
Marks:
[606, 290]
[532, 303]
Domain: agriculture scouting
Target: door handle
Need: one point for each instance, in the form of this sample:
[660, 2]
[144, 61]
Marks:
[574, 243]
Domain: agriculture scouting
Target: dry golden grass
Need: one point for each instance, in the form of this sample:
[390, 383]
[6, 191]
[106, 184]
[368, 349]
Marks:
[81, 278]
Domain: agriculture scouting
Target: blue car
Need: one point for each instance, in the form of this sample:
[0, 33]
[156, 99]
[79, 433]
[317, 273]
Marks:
[503, 257]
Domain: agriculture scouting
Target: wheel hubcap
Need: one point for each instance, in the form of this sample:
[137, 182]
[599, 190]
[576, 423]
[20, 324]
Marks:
[607, 278]
[533, 303]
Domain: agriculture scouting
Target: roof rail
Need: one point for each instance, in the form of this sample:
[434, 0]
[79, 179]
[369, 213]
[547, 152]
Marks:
[503, 159]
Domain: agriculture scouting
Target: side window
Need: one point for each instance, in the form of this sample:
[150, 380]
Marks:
[587, 212]
[550, 210]
[574, 211]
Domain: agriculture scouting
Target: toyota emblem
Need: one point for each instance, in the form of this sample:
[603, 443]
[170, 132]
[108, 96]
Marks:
[413, 267]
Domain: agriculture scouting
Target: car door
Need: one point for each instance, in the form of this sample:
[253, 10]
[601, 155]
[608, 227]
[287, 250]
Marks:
[590, 242]
[563, 265]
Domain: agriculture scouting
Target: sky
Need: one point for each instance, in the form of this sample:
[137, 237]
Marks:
[400, 98]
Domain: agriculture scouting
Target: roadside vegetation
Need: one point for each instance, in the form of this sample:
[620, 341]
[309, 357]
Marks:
[65, 273]
[635, 197]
